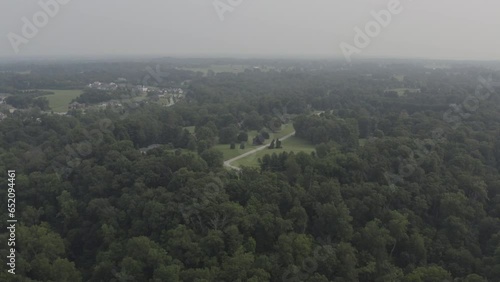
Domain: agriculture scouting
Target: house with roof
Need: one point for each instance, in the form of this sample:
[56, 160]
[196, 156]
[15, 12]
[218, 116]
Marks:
[150, 147]
[76, 106]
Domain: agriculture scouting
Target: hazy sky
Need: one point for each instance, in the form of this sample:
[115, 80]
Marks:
[447, 29]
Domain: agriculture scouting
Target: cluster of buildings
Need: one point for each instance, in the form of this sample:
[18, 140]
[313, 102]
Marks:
[76, 106]
[110, 104]
[142, 88]
[150, 147]
[172, 91]
[103, 86]
[5, 106]
[169, 95]
[162, 92]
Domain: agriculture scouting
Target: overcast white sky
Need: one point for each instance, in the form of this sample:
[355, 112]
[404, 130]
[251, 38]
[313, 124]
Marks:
[438, 29]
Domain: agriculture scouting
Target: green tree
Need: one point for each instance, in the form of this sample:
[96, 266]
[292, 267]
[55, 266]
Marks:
[272, 146]
[430, 274]
[213, 157]
[243, 137]
[228, 134]
[41, 255]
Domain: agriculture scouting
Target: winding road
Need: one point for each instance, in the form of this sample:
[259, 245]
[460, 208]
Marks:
[228, 162]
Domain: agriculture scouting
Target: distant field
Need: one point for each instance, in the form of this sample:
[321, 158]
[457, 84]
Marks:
[60, 100]
[402, 91]
[437, 66]
[292, 144]
[219, 68]
[399, 77]
[18, 72]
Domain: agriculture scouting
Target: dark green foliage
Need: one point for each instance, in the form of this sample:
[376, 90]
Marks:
[272, 145]
[228, 134]
[94, 96]
[278, 144]
[408, 204]
[328, 128]
[243, 137]
[213, 157]
[26, 99]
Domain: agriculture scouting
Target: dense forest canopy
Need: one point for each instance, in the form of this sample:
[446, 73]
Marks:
[401, 186]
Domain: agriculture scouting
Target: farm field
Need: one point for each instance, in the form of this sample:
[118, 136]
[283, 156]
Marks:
[60, 100]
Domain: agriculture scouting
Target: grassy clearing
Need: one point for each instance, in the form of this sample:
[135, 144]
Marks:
[190, 129]
[402, 91]
[139, 98]
[229, 154]
[292, 144]
[362, 142]
[60, 100]
[285, 130]
[232, 153]
[399, 77]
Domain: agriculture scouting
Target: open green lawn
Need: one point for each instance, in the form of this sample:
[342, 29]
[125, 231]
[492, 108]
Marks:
[229, 153]
[285, 130]
[190, 129]
[399, 77]
[362, 142]
[60, 100]
[402, 91]
[292, 144]
[139, 98]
